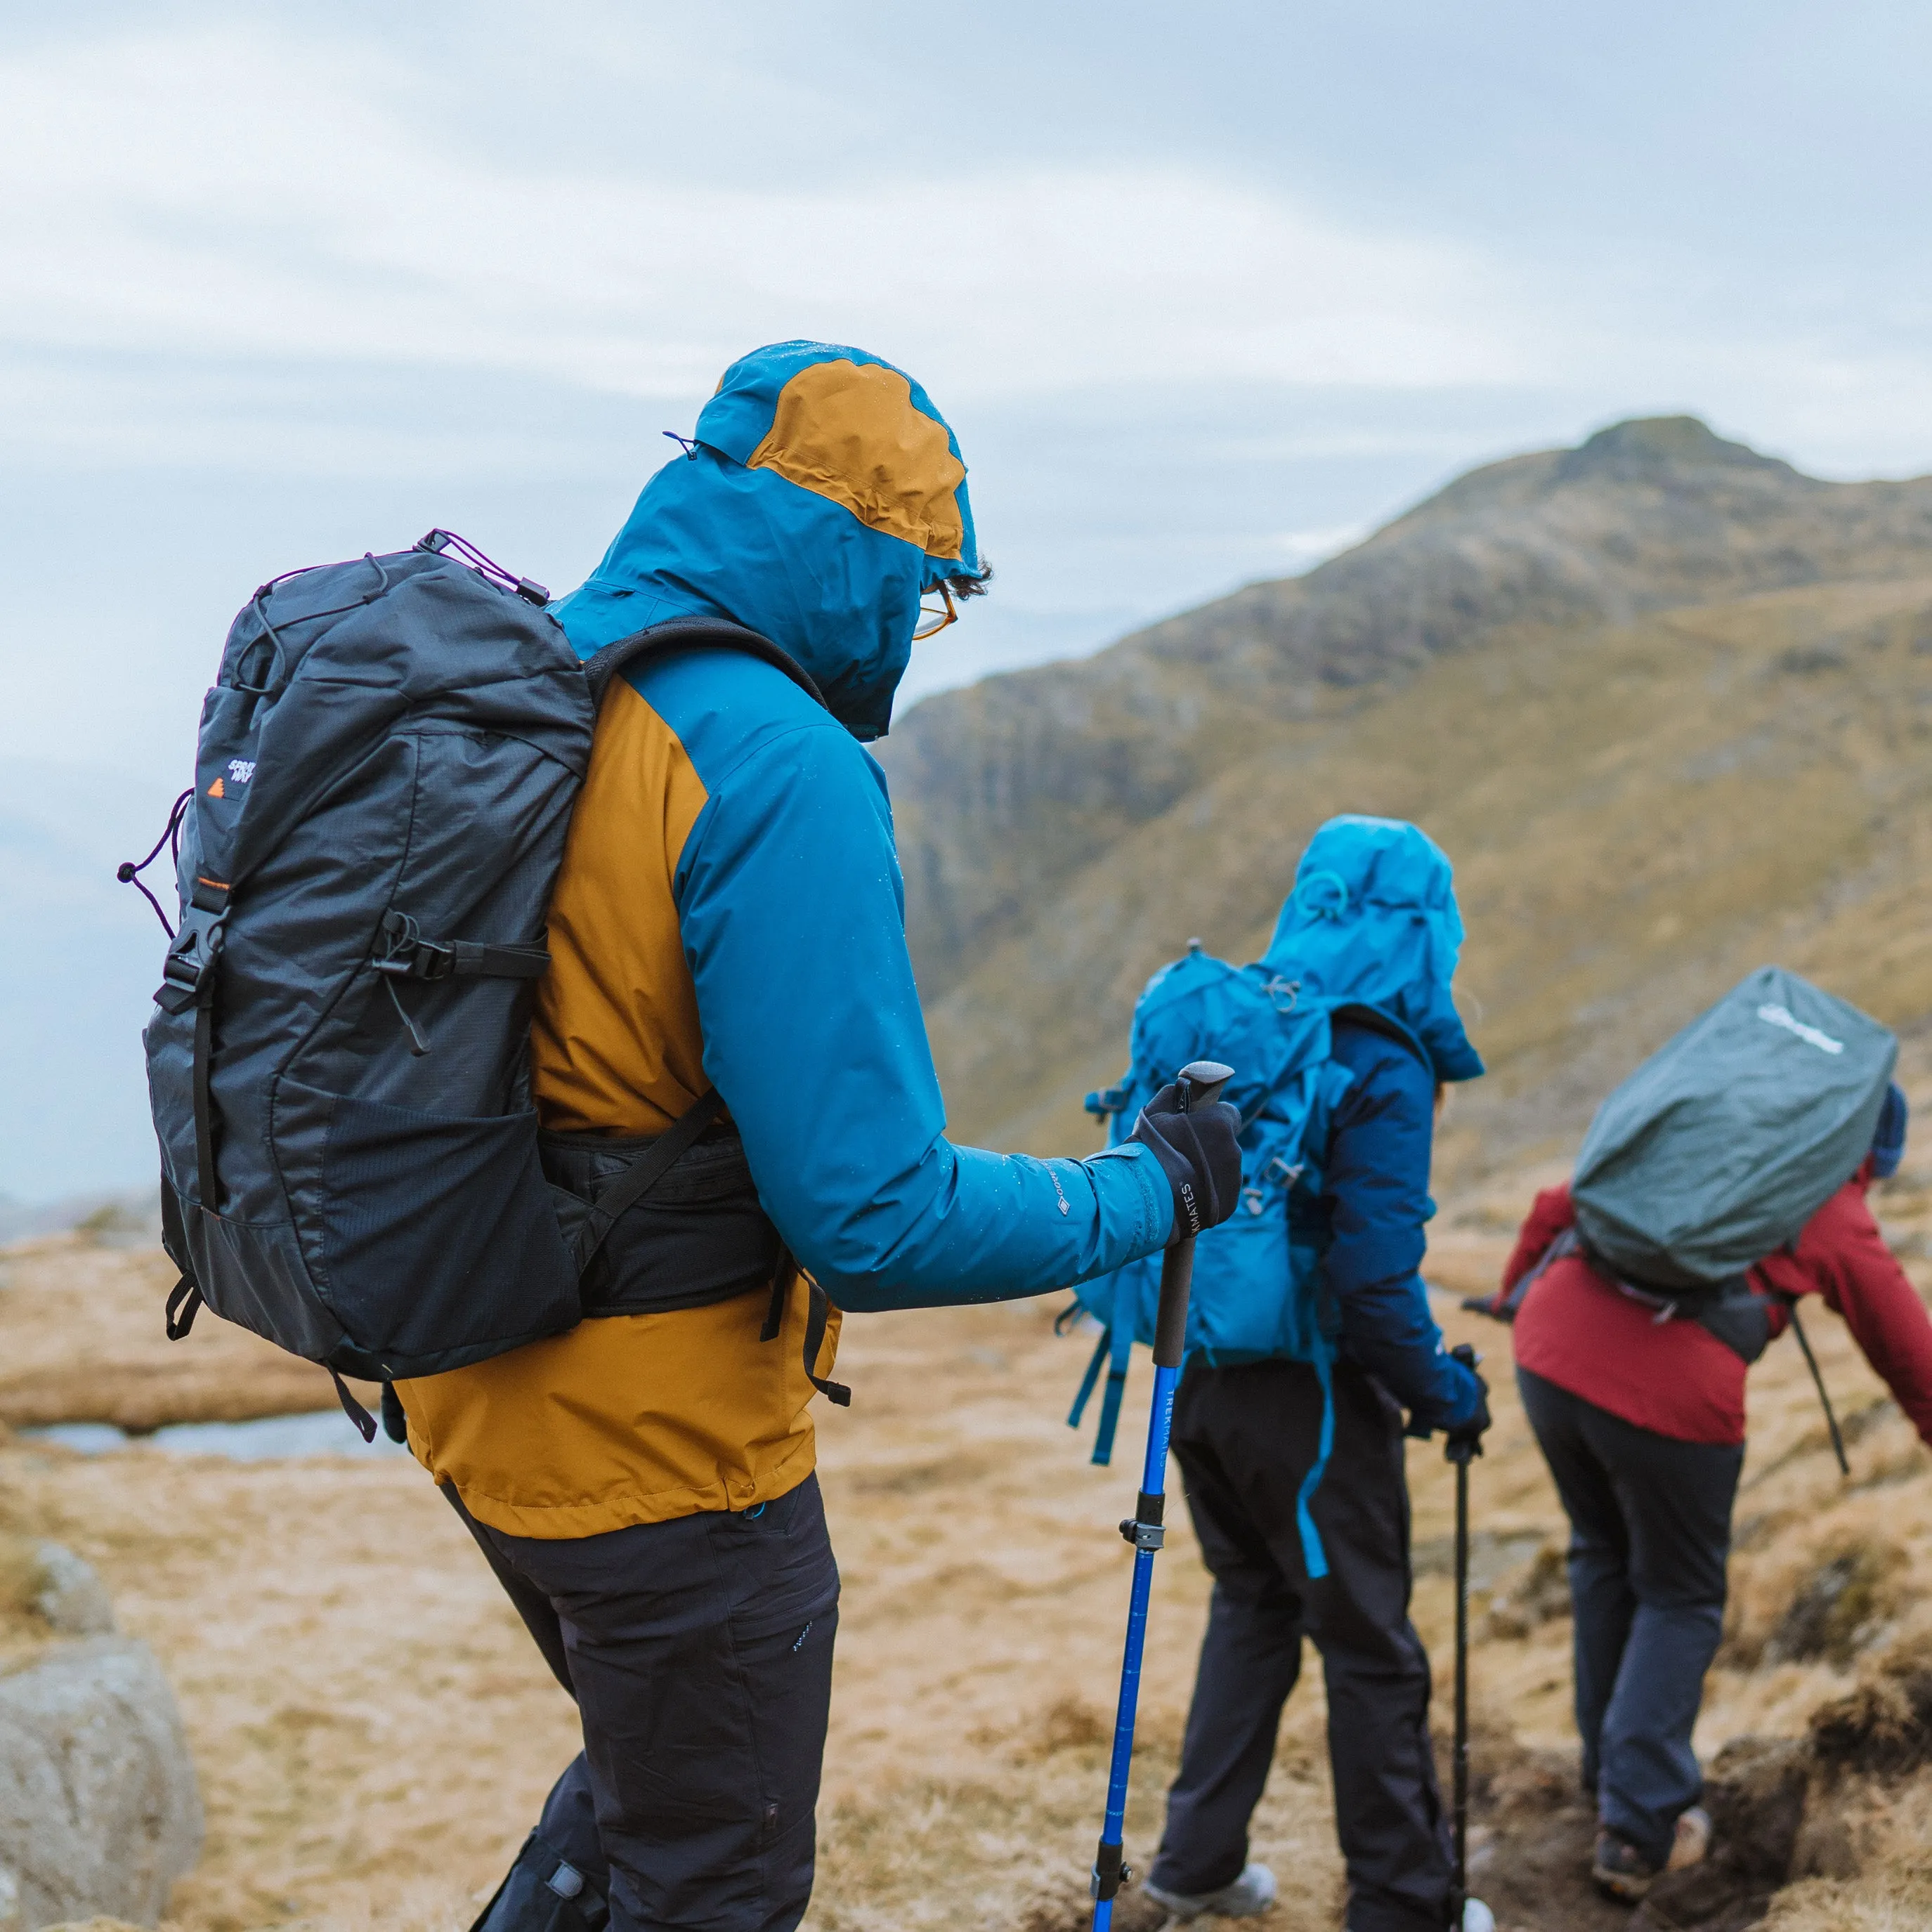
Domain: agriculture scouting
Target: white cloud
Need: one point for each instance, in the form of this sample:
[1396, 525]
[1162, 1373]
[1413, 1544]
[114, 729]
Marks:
[242, 194]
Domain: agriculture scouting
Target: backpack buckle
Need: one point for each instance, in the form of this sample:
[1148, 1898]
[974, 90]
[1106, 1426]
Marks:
[410, 956]
[432, 961]
[187, 976]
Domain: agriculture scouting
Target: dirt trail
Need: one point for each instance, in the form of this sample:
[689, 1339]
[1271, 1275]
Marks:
[374, 1731]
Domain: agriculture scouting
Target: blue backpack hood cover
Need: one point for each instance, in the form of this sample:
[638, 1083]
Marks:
[1373, 921]
[822, 494]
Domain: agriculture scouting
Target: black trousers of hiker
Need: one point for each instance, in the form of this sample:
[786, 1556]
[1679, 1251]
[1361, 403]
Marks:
[1245, 1437]
[1650, 1531]
[699, 1651]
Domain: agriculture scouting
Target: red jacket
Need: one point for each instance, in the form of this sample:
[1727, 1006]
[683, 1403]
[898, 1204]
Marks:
[1576, 1330]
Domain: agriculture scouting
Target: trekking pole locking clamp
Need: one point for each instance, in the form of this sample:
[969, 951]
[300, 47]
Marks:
[1143, 1529]
[1110, 1871]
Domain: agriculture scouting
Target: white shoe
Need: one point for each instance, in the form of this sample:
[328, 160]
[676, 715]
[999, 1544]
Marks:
[1476, 1917]
[1253, 1892]
[1691, 1842]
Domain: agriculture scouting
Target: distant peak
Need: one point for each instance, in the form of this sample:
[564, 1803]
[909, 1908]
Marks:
[1645, 446]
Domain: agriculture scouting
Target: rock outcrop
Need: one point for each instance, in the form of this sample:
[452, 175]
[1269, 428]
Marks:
[99, 1809]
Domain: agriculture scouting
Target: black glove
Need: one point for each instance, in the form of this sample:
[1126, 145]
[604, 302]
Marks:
[1460, 1443]
[1199, 1153]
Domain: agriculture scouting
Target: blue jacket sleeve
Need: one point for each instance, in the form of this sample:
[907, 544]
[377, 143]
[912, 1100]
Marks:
[1376, 1188]
[792, 913]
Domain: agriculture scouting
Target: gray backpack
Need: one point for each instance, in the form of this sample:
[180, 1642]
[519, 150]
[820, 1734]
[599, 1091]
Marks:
[1720, 1147]
[337, 1060]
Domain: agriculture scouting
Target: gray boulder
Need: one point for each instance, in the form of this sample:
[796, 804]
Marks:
[99, 1809]
[68, 1594]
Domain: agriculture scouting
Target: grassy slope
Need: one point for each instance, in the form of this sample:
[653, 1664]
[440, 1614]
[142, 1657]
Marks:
[374, 1731]
[1639, 815]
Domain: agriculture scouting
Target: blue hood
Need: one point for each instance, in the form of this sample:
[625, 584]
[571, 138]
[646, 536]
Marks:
[1373, 921]
[1888, 1147]
[823, 493]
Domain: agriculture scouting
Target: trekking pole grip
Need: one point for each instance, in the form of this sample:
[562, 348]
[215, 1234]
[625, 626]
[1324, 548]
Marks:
[1199, 1083]
[1461, 1453]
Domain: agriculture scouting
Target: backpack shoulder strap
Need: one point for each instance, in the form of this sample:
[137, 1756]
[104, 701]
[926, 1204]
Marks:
[678, 634]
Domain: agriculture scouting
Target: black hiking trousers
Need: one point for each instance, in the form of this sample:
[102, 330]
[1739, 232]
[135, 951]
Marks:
[1650, 1531]
[1246, 1437]
[699, 1651]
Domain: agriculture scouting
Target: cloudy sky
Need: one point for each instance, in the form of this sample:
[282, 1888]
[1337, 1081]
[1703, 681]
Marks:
[1205, 291]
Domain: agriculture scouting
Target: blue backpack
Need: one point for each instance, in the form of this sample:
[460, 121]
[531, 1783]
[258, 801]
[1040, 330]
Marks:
[1259, 1293]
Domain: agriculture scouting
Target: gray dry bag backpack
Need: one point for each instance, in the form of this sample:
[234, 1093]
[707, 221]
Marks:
[1720, 1147]
[338, 1059]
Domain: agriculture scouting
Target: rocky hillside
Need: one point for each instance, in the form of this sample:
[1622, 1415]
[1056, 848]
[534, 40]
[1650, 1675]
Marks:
[1665, 701]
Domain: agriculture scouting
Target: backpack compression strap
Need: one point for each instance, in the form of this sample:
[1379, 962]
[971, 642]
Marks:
[679, 635]
[818, 1315]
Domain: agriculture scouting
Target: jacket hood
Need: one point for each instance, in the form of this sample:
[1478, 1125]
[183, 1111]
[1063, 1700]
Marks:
[1888, 1147]
[1373, 921]
[823, 492]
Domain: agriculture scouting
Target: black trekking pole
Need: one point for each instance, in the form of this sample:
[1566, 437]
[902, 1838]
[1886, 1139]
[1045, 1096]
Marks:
[1199, 1084]
[1818, 1381]
[1460, 1452]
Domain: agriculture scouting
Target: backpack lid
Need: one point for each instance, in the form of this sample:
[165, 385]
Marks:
[1720, 1147]
[1200, 1007]
[1372, 922]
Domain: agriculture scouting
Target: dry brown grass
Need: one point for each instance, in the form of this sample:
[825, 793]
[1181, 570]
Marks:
[374, 1731]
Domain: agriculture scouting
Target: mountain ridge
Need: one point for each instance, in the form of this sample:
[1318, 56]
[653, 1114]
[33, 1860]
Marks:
[1658, 633]
[1005, 788]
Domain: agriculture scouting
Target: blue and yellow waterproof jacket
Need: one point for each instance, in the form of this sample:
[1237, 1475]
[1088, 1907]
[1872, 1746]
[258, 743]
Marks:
[729, 912]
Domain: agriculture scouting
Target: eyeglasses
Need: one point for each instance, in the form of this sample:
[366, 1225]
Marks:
[933, 619]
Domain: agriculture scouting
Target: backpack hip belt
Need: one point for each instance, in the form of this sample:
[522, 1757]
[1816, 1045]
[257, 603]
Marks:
[674, 1222]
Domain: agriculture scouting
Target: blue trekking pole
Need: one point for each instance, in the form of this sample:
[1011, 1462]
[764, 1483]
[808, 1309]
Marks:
[1199, 1084]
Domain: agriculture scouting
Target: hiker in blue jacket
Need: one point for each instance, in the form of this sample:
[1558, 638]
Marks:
[1372, 925]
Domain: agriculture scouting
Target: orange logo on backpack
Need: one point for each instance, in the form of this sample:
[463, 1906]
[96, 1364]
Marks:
[215, 790]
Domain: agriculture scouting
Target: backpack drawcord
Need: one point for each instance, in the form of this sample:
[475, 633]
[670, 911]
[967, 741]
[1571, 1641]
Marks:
[129, 872]
[418, 1046]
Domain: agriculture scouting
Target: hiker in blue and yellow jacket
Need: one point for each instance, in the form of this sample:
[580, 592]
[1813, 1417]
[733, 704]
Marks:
[729, 915]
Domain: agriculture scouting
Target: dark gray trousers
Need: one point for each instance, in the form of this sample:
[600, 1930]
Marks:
[699, 1651]
[1245, 1437]
[1650, 1530]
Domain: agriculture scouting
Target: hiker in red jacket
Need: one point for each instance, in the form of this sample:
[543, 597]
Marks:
[1641, 1418]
